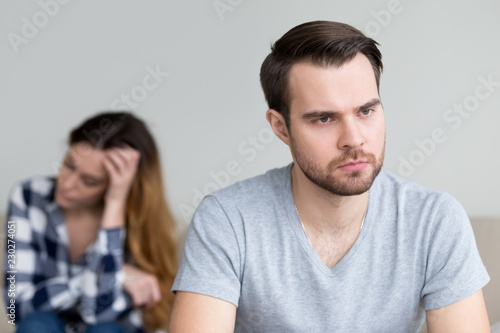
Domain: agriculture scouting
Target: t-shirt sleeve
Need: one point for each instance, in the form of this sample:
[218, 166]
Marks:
[211, 263]
[454, 268]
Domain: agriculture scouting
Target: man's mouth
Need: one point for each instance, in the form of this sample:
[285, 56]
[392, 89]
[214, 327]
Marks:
[354, 166]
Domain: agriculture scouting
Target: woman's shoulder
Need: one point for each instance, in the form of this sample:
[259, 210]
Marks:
[40, 187]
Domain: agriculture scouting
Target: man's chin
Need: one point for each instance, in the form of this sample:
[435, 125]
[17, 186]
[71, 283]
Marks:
[348, 183]
[349, 189]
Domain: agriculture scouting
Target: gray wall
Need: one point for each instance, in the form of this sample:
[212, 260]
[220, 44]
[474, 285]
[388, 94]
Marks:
[64, 60]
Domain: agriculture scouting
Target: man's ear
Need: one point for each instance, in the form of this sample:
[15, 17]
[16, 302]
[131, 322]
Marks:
[278, 125]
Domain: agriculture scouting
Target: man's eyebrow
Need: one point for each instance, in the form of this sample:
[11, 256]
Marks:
[319, 114]
[371, 103]
[328, 113]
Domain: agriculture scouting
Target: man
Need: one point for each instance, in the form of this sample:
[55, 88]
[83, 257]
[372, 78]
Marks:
[329, 243]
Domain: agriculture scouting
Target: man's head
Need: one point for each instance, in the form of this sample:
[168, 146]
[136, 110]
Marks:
[322, 85]
[322, 43]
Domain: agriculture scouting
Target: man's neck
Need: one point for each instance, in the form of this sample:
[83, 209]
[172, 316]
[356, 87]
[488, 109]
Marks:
[323, 212]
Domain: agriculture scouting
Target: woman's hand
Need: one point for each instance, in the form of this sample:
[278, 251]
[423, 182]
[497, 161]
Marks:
[121, 164]
[142, 286]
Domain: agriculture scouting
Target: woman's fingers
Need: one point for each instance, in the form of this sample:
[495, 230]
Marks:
[110, 165]
[121, 164]
[123, 159]
[142, 286]
[155, 294]
[151, 290]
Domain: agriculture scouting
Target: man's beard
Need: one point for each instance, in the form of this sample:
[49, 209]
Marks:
[351, 183]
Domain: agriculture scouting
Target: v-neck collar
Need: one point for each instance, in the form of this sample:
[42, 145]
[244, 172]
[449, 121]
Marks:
[294, 221]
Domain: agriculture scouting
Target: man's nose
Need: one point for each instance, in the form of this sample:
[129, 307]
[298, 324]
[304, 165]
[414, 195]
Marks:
[351, 135]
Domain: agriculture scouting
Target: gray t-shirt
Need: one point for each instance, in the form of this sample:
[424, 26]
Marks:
[416, 252]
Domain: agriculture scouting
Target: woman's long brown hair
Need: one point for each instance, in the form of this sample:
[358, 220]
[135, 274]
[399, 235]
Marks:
[150, 226]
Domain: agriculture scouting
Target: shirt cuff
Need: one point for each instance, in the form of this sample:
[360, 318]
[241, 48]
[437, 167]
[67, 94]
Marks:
[111, 240]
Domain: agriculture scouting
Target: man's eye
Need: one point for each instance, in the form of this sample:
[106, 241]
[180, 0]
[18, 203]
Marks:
[323, 120]
[366, 112]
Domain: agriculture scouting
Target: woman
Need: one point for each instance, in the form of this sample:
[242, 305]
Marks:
[95, 248]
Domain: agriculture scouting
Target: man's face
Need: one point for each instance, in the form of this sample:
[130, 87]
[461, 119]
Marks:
[337, 127]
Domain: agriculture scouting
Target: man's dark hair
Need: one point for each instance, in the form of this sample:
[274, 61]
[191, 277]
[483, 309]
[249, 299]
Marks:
[322, 43]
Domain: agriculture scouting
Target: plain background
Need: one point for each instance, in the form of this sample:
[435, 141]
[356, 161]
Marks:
[208, 113]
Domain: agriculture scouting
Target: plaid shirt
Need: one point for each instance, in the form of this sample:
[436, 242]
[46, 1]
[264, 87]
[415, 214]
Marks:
[86, 292]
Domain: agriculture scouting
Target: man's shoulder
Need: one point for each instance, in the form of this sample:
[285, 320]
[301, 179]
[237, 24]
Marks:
[260, 186]
[389, 182]
[395, 191]
[243, 203]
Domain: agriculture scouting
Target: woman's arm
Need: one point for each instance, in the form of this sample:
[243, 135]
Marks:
[103, 296]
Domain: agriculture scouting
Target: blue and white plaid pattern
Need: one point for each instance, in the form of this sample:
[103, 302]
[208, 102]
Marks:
[47, 280]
